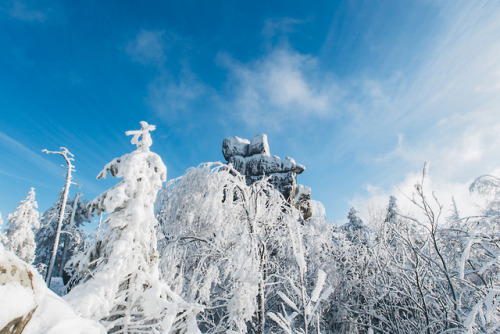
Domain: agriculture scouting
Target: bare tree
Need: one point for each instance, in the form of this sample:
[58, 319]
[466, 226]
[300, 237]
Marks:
[68, 158]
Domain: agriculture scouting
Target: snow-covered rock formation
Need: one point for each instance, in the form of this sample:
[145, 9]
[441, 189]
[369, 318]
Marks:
[27, 306]
[254, 160]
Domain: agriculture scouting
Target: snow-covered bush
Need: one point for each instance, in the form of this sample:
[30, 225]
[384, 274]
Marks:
[424, 274]
[119, 275]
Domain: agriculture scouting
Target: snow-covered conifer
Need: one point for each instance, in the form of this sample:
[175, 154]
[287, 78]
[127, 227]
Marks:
[355, 229]
[21, 240]
[72, 236]
[120, 282]
[392, 208]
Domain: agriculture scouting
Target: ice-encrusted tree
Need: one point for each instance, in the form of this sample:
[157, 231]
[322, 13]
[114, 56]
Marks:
[45, 235]
[72, 236]
[21, 240]
[68, 158]
[479, 264]
[231, 246]
[206, 252]
[120, 281]
[355, 229]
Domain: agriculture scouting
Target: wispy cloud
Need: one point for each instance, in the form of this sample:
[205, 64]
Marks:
[448, 111]
[20, 11]
[169, 97]
[148, 47]
[277, 30]
[169, 94]
[25, 153]
[283, 85]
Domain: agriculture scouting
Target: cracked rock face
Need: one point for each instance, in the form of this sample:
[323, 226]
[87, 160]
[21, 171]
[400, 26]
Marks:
[254, 160]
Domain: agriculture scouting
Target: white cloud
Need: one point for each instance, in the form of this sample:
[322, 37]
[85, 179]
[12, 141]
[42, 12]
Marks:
[283, 85]
[277, 30]
[168, 97]
[20, 11]
[148, 47]
[446, 112]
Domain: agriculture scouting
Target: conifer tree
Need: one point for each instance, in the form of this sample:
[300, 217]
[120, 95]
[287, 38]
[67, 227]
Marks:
[45, 235]
[72, 236]
[21, 240]
[120, 282]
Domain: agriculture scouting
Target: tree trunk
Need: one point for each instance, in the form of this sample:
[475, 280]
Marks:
[64, 199]
[67, 238]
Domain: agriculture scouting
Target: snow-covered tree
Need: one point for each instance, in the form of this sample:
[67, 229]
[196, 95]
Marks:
[355, 229]
[73, 238]
[301, 303]
[428, 273]
[208, 254]
[120, 283]
[21, 240]
[72, 235]
[230, 246]
[68, 158]
[479, 261]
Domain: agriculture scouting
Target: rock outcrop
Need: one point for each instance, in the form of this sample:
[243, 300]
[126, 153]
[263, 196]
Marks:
[27, 306]
[254, 160]
[15, 273]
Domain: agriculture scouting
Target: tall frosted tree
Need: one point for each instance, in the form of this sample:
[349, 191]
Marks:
[120, 281]
[232, 246]
[72, 236]
[73, 239]
[21, 239]
[68, 158]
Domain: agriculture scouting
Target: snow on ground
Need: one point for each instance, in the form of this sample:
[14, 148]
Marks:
[23, 290]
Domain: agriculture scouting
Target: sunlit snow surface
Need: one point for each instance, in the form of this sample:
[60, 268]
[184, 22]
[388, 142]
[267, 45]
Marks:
[52, 314]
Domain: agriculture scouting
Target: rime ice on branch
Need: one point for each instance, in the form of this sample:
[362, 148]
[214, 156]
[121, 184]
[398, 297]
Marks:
[121, 285]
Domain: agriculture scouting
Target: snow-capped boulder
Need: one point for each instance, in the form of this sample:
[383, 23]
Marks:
[289, 165]
[17, 302]
[235, 146]
[259, 145]
[27, 306]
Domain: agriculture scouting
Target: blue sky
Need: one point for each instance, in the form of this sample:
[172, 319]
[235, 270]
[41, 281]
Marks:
[360, 92]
